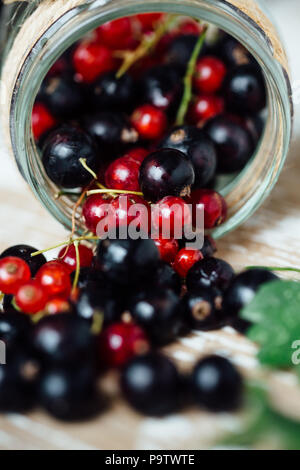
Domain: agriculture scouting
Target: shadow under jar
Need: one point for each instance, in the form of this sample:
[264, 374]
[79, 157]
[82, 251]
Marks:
[39, 32]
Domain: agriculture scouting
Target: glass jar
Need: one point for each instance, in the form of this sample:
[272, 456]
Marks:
[37, 33]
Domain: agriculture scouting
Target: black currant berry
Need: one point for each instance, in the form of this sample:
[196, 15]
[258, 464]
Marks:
[112, 93]
[243, 288]
[166, 278]
[244, 90]
[181, 49]
[68, 393]
[111, 131]
[232, 52]
[24, 252]
[233, 143]
[62, 338]
[127, 261]
[14, 329]
[152, 385]
[159, 312]
[255, 125]
[63, 97]
[198, 147]
[95, 300]
[201, 308]
[216, 384]
[62, 151]
[161, 86]
[166, 172]
[209, 247]
[210, 272]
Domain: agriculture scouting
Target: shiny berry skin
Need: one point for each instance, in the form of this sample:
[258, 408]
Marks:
[63, 97]
[62, 151]
[31, 297]
[171, 216]
[209, 75]
[123, 173]
[233, 143]
[232, 52]
[185, 259]
[168, 248]
[137, 154]
[127, 261]
[166, 278]
[166, 172]
[216, 384]
[242, 289]
[152, 385]
[150, 122]
[210, 272]
[24, 252]
[13, 273]
[200, 308]
[120, 342]
[159, 313]
[127, 208]
[95, 209]
[57, 305]
[209, 247]
[91, 59]
[244, 90]
[161, 86]
[62, 338]
[198, 147]
[215, 207]
[42, 120]
[14, 329]
[205, 107]
[111, 131]
[68, 256]
[69, 393]
[112, 93]
[148, 20]
[54, 277]
[99, 297]
[115, 34]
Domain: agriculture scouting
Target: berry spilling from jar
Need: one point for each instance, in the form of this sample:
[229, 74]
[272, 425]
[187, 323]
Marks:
[135, 125]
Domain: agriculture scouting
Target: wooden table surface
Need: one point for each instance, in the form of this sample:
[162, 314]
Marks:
[270, 237]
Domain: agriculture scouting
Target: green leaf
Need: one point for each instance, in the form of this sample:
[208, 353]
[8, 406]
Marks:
[275, 315]
[264, 426]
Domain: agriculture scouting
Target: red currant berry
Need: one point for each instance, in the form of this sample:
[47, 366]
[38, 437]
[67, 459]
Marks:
[13, 273]
[123, 212]
[68, 257]
[169, 217]
[209, 76]
[119, 342]
[205, 107]
[57, 305]
[137, 154]
[95, 209]
[185, 259]
[189, 27]
[31, 297]
[147, 20]
[115, 34]
[54, 278]
[123, 173]
[167, 247]
[42, 120]
[215, 207]
[149, 122]
[91, 60]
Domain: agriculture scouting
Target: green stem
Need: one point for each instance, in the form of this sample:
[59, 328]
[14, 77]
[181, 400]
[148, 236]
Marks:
[77, 272]
[113, 191]
[14, 304]
[66, 193]
[188, 79]
[87, 168]
[65, 243]
[145, 46]
[275, 268]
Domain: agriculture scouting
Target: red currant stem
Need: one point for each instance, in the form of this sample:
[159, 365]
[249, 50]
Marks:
[188, 79]
[69, 242]
[113, 191]
[65, 193]
[275, 268]
[14, 304]
[37, 317]
[77, 271]
[97, 323]
[1, 296]
[147, 44]
[87, 168]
